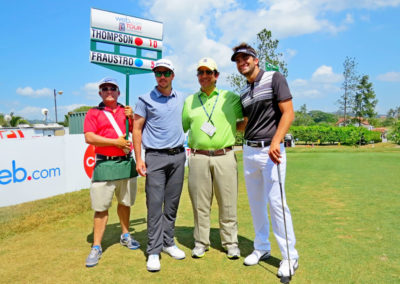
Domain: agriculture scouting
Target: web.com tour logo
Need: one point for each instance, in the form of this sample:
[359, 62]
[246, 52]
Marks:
[19, 174]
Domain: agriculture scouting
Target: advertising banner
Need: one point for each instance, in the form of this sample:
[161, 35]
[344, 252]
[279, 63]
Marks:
[36, 168]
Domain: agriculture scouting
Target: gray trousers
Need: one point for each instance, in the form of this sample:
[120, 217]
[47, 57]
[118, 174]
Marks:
[164, 183]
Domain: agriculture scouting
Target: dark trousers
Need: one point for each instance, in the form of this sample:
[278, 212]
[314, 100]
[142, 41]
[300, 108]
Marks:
[164, 183]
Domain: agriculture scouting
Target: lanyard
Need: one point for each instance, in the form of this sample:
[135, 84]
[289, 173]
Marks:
[212, 111]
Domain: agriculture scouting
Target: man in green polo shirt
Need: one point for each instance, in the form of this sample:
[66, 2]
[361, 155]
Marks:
[210, 116]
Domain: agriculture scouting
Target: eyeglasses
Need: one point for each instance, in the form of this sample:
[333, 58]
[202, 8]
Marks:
[201, 72]
[165, 73]
[105, 89]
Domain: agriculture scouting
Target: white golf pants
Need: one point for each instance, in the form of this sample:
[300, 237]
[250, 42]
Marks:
[262, 184]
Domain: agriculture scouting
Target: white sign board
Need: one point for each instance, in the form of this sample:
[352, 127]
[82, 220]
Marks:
[121, 23]
[35, 168]
[121, 60]
[120, 38]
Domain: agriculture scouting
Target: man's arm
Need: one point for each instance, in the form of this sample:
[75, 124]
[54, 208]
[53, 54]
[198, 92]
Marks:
[97, 140]
[287, 118]
[241, 125]
[185, 118]
[137, 143]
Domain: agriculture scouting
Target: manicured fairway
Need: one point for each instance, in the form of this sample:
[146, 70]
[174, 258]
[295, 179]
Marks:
[345, 204]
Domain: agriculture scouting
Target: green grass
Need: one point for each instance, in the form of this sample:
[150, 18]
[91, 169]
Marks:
[345, 203]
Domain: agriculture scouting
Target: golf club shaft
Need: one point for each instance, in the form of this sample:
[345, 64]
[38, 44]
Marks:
[284, 217]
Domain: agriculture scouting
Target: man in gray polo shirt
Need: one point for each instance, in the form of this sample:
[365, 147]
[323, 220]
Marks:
[158, 126]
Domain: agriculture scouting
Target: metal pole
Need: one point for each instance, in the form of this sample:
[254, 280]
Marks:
[55, 104]
[127, 103]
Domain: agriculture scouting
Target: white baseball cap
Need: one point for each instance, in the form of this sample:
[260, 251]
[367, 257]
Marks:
[164, 63]
[108, 80]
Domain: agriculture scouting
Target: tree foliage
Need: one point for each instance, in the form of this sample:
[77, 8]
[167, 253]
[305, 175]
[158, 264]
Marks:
[393, 116]
[394, 134]
[349, 85]
[323, 117]
[301, 117]
[82, 108]
[266, 52]
[14, 122]
[364, 100]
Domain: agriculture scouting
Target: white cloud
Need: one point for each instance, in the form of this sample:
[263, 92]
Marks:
[324, 74]
[349, 19]
[299, 83]
[289, 54]
[194, 29]
[30, 92]
[389, 77]
[323, 83]
[30, 112]
[311, 94]
[91, 88]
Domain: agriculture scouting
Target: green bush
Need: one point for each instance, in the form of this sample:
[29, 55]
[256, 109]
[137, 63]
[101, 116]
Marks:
[349, 135]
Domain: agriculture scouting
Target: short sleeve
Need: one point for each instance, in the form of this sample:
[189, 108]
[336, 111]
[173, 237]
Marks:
[280, 87]
[90, 122]
[140, 108]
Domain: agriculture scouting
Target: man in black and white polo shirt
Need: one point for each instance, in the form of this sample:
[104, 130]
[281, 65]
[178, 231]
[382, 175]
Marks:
[268, 109]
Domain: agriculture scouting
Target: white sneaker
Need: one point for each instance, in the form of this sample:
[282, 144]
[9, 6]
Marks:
[153, 263]
[283, 270]
[175, 252]
[256, 256]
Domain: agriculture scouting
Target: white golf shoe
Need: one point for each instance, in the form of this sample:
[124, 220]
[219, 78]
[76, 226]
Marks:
[153, 263]
[283, 270]
[256, 256]
[175, 252]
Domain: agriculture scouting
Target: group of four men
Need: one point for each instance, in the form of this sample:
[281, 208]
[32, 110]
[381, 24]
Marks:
[211, 116]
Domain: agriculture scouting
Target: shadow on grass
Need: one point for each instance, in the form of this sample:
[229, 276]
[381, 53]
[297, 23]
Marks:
[184, 235]
[113, 232]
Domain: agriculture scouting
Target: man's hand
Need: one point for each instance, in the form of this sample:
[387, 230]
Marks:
[141, 167]
[275, 153]
[129, 112]
[122, 143]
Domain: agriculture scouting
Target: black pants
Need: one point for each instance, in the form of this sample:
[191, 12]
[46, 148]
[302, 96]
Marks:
[164, 183]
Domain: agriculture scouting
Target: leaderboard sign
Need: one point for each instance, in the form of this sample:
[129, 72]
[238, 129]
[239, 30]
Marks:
[122, 30]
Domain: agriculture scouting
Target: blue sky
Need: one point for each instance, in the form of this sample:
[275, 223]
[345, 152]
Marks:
[45, 46]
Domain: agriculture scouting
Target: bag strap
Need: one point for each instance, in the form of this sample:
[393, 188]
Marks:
[113, 123]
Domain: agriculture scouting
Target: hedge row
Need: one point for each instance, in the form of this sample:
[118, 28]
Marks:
[349, 135]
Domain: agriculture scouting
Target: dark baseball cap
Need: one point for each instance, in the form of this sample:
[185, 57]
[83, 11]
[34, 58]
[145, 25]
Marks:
[245, 51]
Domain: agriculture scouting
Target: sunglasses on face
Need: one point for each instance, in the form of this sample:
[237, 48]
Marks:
[105, 89]
[201, 72]
[165, 73]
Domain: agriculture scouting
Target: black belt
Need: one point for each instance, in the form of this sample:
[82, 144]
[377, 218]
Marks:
[100, 157]
[257, 143]
[169, 151]
[218, 152]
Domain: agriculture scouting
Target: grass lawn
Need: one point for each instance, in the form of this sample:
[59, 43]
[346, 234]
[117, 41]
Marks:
[345, 204]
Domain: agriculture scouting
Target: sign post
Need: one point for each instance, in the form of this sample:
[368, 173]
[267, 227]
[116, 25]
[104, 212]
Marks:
[140, 39]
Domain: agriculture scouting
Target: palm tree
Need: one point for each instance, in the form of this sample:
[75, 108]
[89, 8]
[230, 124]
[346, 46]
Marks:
[16, 120]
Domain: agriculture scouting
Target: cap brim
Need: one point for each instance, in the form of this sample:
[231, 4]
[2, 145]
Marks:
[244, 52]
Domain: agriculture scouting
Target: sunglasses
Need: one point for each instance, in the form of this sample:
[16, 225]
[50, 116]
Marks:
[105, 89]
[201, 72]
[165, 73]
